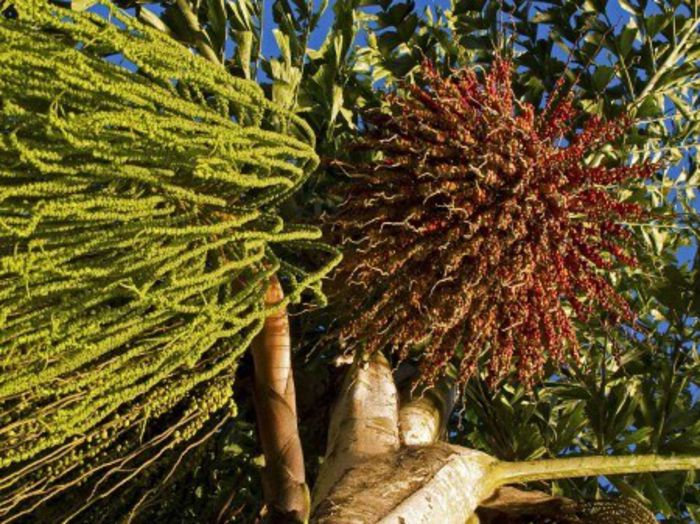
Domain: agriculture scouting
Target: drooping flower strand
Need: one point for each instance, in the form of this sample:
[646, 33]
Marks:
[478, 227]
[138, 232]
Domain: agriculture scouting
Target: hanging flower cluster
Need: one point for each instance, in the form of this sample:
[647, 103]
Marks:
[139, 228]
[481, 227]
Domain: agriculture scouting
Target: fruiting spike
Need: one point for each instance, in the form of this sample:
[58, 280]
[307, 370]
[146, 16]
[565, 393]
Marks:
[479, 226]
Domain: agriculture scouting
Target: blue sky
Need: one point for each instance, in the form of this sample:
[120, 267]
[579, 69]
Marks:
[615, 12]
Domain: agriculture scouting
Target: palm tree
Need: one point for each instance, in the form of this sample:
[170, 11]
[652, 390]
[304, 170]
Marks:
[610, 425]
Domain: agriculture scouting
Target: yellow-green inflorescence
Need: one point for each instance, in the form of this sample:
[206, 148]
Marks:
[138, 233]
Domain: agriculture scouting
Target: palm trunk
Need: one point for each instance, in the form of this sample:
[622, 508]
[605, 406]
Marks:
[384, 463]
[283, 477]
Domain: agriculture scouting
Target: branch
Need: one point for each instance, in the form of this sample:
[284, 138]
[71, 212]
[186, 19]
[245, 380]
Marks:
[436, 483]
[449, 495]
[283, 477]
[675, 53]
[509, 504]
[364, 422]
[511, 501]
[560, 468]
[370, 476]
[423, 416]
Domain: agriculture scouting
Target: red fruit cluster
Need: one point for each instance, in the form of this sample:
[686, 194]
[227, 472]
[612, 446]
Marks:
[481, 229]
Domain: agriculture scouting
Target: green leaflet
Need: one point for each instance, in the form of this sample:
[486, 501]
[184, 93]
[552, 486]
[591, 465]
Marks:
[138, 231]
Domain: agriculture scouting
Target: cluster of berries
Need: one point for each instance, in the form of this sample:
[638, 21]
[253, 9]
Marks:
[478, 228]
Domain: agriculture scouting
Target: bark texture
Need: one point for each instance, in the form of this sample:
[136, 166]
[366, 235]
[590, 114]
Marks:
[423, 415]
[509, 505]
[364, 423]
[385, 463]
[426, 484]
